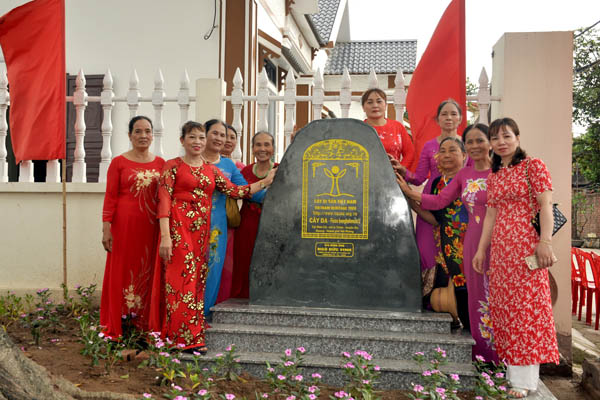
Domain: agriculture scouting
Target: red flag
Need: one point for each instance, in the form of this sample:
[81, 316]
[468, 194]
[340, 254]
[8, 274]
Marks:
[439, 75]
[32, 37]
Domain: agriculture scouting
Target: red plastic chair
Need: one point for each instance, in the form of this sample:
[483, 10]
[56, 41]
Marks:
[575, 279]
[588, 284]
[596, 269]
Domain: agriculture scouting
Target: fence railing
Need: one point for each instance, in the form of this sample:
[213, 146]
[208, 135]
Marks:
[237, 99]
[107, 99]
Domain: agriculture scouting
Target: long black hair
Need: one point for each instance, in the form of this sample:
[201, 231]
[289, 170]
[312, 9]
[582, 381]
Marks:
[495, 129]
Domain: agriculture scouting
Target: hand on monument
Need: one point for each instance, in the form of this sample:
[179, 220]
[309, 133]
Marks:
[402, 183]
[270, 176]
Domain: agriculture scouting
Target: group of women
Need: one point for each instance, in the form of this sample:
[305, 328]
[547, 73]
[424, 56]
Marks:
[171, 255]
[473, 232]
[165, 230]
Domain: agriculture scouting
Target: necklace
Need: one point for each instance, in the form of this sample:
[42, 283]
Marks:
[193, 164]
[255, 170]
[218, 160]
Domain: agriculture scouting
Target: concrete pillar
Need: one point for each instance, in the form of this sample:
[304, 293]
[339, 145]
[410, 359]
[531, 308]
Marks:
[533, 75]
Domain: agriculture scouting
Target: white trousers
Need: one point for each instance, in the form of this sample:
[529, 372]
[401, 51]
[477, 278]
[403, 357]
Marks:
[523, 376]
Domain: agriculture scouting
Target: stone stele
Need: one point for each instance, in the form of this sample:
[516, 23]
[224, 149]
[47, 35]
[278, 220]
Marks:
[336, 230]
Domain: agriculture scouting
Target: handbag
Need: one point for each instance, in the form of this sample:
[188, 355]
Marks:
[234, 218]
[558, 216]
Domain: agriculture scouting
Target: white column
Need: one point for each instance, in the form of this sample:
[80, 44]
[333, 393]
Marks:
[373, 82]
[399, 95]
[4, 102]
[289, 101]
[236, 104]
[483, 97]
[318, 95]
[26, 171]
[53, 171]
[346, 93]
[133, 94]
[158, 102]
[80, 102]
[263, 101]
[106, 100]
[183, 98]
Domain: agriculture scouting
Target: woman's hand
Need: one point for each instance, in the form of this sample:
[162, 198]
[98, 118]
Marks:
[402, 183]
[270, 176]
[107, 239]
[544, 255]
[478, 260]
[165, 250]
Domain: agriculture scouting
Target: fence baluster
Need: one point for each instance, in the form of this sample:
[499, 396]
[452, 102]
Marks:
[106, 100]
[133, 94]
[183, 98]
[289, 101]
[26, 171]
[4, 102]
[158, 102]
[80, 101]
[263, 101]
[483, 97]
[399, 95]
[52, 171]
[346, 93]
[236, 104]
[373, 82]
[318, 95]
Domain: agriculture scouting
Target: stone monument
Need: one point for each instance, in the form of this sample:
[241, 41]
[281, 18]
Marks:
[336, 230]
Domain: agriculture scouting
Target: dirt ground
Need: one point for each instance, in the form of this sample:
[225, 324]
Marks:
[59, 353]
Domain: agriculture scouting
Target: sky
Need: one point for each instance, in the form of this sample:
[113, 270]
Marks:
[486, 21]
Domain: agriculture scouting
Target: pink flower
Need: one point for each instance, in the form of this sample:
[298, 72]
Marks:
[196, 354]
[376, 368]
[478, 397]
[317, 376]
[229, 396]
[502, 388]
[299, 378]
[312, 396]
[440, 390]
[147, 395]
[349, 365]
[366, 381]
[418, 388]
[219, 355]
[427, 373]
[346, 354]
[479, 358]
[341, 394]
[288, 352]
[228, 348]
[301, 349]
[292, 397]
[455, 377]
[281, 377]
[288, 363]
[270, 369]
[180, 345]
[499, 375]
[265, 396]
[101, 335]
[164, 354]
[174, 386]
[176, 361]
[312, 389]
[419, 353]
[203, 392]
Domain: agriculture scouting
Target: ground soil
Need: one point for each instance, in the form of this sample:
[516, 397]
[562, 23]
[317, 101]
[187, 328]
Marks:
[59, 353]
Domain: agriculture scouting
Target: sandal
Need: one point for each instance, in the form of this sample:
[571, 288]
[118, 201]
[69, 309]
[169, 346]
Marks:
[516, 393]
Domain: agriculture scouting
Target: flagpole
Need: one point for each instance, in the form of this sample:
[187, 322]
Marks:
[64, 219]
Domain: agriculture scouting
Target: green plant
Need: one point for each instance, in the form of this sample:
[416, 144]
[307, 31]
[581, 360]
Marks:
[491, 381]
[287, 379]
[435, 384]
[362, 374]
[43, 316]
[227, 365]
[12, 307]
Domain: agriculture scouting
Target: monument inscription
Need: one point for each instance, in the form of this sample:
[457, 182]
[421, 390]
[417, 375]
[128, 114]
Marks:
[335, 190]
[336, 230]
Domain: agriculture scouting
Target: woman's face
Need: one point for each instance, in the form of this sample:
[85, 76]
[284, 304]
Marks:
[194, 142]
[216, 137]
[262, 147]
[477, 145]
[141, 135]
[374, 107]
[450, 157]
[230, 142]
[449, 117]
[505, 142]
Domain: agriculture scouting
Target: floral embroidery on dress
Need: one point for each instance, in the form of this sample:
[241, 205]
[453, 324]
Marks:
[470, 192]
[132, 300]
[144, 186]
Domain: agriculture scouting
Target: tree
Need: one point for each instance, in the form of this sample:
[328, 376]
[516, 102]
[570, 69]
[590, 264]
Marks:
[586, 103]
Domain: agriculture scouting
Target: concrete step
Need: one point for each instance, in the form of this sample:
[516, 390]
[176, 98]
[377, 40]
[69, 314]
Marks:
[332, 342]
[238, 311]
[395, 374]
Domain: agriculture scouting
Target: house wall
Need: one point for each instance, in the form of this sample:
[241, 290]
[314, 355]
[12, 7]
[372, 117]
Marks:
[145, 35]
[532, 73]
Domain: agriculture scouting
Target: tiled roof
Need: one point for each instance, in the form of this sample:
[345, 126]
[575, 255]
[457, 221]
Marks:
[322, 23]
[385, 56]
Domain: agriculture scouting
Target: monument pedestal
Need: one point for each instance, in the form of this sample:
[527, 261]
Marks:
[262, 333]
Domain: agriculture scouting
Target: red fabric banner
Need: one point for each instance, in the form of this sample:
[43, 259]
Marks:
[32, 37]
[439, 75]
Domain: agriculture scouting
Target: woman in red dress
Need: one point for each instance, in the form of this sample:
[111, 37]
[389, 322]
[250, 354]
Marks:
[396, 142]
[262, 148]
[130, 231]
[185, 198]
[520, 304]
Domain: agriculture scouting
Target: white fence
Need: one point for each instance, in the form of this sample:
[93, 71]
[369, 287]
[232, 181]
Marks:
[133, 98]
